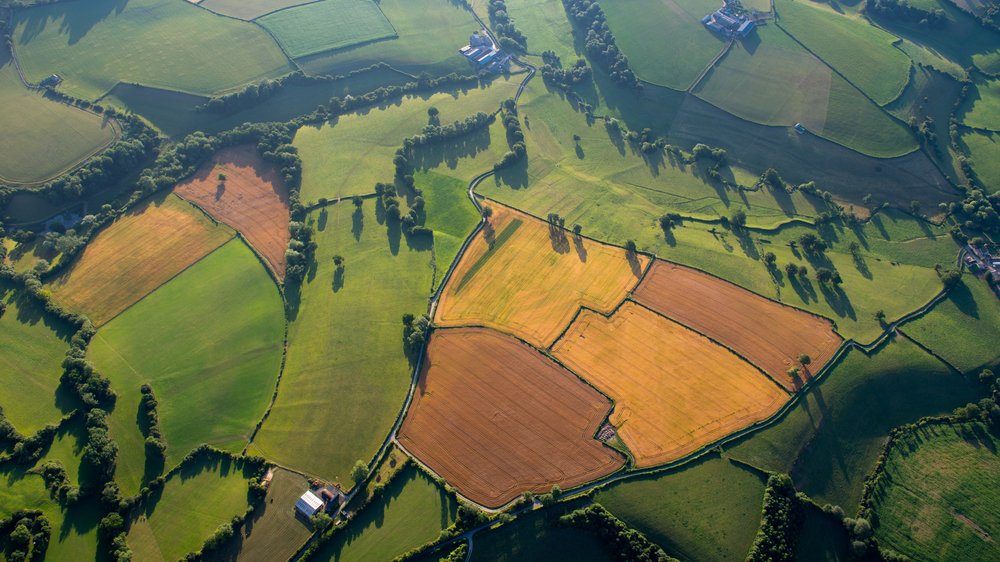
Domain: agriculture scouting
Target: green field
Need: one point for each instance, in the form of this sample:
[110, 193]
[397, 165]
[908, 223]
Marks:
[164, 43]
[450, 215]
[932, 94]
[822, 538]
[964, 328]
[178, 518]
[547, 27]
[939, 495]
[981, 108]
[709, 510]
[411, 511]
[346, 373]
[430, 34]
[664, 40]
[274, 531]
[772, 80]
[829, 441]
[248, 9]
[984, 152]
[42, 138]
[347, 157]
[863, 53]
[34, 346]
[209, 342]
[538, 537]
[327, 25]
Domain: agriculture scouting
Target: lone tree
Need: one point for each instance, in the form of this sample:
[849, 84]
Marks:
[487, 212]
[359, 472]
[630, 246]
[577, 229]
[793, 373]
[338, 261]
[222, 177]
[432, 112]
[805, 359]
[358, 201]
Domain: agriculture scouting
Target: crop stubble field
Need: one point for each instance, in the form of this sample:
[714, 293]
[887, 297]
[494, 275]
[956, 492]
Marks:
[675, 391]
[521, 276]
[135, 255]
[770, 335]
[253, 199]
[495, 418]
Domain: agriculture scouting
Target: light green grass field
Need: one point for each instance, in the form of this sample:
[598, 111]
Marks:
[964, 328]
[42, 138]
[248, 9]
[939, 497]
[349, 156]
[709, 510]
[165, 43]
[178, 518]
[981, 108]
[274, 531]
[31, 356]
[984, 152]
[327, 25]
[770, 79]
[539, 537]
[346, 373]
[547, 27]
[209, 342]
[829, 441]
[430, 34]
[664, 40]
[411, 511]
[862, 52]
[450, 215]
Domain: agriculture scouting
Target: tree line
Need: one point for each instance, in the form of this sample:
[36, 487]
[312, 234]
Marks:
[781, 521]
[508, 35]
[515, 136]
[625, 543]
[904, 11]
[600, 43]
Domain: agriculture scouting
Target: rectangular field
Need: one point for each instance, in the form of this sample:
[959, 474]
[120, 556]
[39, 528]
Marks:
[675, 391]
[768, 334]
[327, 25]
[135, 255]
[274, 531]
[496, 418]
[252, 198]
[524, 277]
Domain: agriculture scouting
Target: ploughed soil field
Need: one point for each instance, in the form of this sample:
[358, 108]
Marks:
[252, 198]
[524, 277]
[770, 335]
[675, 391]
[139, 252]
[496, 418]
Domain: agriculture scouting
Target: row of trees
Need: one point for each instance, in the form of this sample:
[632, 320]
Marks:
[904, 11]
[515, 136]
[600, 43]
[626, 543]
[781, 520]
[156, 446]
[566, 78]
[508, 35]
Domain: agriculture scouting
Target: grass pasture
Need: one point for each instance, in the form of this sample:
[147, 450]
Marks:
[163, 43]
[411, 511]
[829, 441]
[364, 371]
[449, 213]
[327, 25]
[964, 328]
[34, 346]
[863, 53]
[675, 391]
[179, 517]
[136, 254]
[209, 343]
[981, 108]
[43, 138]
[521, 276]
[984, 153]
[938, 496]
[274, 531]
[248, 9]
[932, 94]
[496, 418]
[709, 510]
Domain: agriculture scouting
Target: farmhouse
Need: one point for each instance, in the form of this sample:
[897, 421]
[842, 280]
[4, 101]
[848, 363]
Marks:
[309, 504]
[483, 54]
[731, 20]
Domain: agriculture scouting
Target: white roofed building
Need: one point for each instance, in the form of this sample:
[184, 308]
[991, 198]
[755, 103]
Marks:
[309, 504]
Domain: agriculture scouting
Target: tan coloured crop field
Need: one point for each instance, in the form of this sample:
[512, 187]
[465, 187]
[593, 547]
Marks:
[521, 277]
[496, 418]
[139, 252]
[675, 391]
[770, 335]
[252, 198]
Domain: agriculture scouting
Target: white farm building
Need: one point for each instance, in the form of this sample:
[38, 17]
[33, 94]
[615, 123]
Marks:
[309, 504]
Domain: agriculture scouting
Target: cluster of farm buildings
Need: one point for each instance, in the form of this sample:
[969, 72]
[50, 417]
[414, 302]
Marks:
[985, 259]
[731, 20]
[483, 54]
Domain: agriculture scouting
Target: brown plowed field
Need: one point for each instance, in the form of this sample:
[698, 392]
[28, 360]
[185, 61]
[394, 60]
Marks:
[675, 391]
[520, 277]
[770, 335]
[495, 418]
[135, 255]
[253, 199]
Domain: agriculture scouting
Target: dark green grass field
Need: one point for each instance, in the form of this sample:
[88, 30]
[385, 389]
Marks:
[165, 43]
[939, 495]
[964, 328]
[346, 373]
[450, 214]
[981, 108]
[829, 441]
[327, 25]
[411, 511]
[984, 153]
[209, 342]
[708, 510]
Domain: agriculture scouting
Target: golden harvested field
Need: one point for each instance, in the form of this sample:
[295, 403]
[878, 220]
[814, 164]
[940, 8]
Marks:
[521, 277]
[675, 391]
[770, 335]
[139, 252]
[253, 199]
[496, 418]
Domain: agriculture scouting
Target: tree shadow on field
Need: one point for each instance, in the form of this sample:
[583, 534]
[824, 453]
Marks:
[324, 217]
[559, 240]
[338, 279]
[962, 298]
[357, 223]
[76, 18]
[581, 249]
